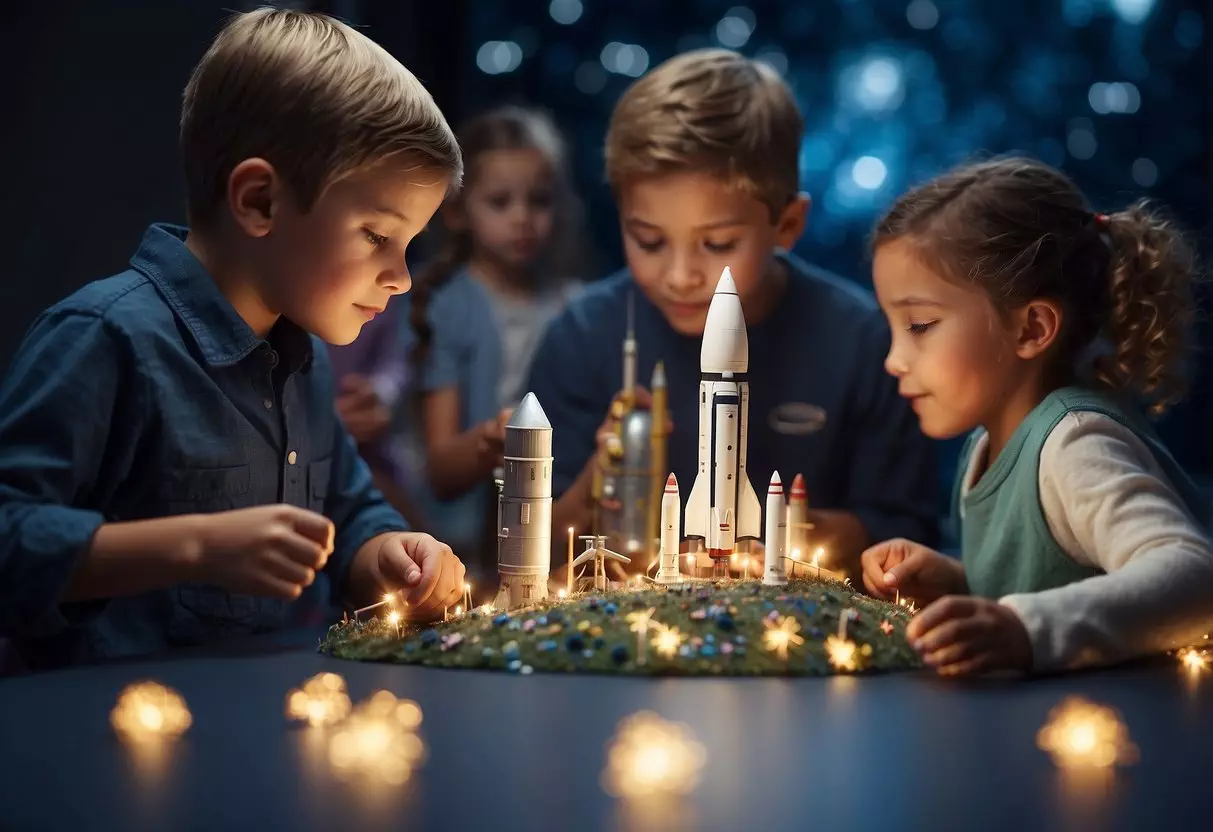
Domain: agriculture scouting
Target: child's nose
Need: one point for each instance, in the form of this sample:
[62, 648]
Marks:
[684, 274]
[894, 363]
[397, 281]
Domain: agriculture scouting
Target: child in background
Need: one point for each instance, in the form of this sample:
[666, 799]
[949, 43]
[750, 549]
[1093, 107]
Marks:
[507, 264]
[1023, 314]
[171, 468]
[703, 156]
[371, 381]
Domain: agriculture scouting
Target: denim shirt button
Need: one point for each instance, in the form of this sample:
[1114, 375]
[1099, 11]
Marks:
[269, 404]
[291, 457]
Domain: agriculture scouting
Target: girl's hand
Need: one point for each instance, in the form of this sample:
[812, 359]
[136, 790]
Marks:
[491, 436]
[963, 636]
[911, 569]
[365, 416]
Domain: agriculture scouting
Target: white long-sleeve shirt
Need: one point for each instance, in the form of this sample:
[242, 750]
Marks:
[1109, 505]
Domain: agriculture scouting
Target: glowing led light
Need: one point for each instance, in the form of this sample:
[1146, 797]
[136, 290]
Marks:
[377, 741]
[781, 635]
[649, 756]
[322, 700]
[148, 710]
[1082, 734]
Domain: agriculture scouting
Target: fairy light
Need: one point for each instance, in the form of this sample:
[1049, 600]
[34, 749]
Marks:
[322, 700]
[147, 710]
[843, 653]
[394, 621]
[561, 593]
[650, 757]
[378, 740]
[668, 640]
[467, 598]
[1081, 734]
[1193, 660]
[639, 623]
[781, 635]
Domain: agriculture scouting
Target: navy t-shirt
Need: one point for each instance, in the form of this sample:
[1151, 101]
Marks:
[821, 403]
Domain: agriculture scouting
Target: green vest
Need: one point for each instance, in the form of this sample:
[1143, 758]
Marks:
[1006, 543]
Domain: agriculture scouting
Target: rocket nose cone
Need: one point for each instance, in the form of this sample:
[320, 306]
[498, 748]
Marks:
[671, 484]
[798, 489]
[776, 486]
[726, 286]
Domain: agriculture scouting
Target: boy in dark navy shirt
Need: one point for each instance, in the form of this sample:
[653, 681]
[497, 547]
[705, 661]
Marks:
[703, 156]
[171, 468]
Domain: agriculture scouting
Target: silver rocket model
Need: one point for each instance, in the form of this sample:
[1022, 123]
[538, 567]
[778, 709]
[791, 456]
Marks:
[524, 510]
[671, 536]
[775, 540]
[722, 507]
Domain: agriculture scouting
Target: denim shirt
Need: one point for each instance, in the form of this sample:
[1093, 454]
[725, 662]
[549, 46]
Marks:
[145, 395]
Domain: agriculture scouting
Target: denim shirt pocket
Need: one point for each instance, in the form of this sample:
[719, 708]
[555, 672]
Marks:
[203, 612]
[318, 474]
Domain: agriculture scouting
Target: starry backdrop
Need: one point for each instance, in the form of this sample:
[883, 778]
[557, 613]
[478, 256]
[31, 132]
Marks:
[1115, 92]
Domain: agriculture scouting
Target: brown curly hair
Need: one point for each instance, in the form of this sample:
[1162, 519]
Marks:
[1023, 230]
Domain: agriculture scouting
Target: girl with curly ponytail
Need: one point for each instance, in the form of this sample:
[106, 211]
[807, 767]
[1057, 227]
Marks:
[508, 257]
[1044, 328]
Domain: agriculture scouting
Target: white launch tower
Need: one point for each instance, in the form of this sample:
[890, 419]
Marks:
[524, 510]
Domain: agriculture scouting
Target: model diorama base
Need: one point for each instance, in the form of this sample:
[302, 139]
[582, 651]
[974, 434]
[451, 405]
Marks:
[727, 628]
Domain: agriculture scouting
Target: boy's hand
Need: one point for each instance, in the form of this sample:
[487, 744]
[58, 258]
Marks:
[961, 635]
[912, 569]
[364, 415]
[427, 571]
[273, 551]
[610, 447]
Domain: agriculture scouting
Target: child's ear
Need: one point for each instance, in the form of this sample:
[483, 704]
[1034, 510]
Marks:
[792, 220]
[1038, 323]
[254, 192]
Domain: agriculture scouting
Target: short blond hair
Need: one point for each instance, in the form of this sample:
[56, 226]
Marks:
[715, 111]
[314, 98]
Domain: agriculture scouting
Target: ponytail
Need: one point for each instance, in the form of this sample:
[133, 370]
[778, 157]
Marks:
[1150, 307]
[455, 251]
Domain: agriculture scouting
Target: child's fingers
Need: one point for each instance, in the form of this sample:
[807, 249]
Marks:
[936, 613]
[968, 667]
[952, 631]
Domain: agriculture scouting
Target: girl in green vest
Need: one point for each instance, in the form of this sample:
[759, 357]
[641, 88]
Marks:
[1023, 316]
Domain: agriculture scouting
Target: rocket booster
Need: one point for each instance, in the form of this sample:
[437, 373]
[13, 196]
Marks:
[798, 515]
[775, 540]
[671, 535]
[722, 507]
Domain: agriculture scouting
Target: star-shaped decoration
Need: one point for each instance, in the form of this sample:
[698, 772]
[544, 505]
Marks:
[782, 634]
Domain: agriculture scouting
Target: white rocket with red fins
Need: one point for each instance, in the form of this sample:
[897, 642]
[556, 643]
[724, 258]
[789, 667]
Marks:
[671, 534]
[722, 507]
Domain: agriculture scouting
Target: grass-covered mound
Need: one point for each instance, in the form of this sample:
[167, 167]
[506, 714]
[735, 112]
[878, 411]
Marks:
[728, 628]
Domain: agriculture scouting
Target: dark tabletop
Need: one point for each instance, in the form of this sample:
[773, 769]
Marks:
[506, 752]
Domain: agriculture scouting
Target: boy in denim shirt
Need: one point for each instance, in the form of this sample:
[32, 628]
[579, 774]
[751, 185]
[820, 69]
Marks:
[171, 468]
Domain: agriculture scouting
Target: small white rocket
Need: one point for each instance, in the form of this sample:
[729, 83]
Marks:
[798, 515]
[524, 510]
[671, 536]
[722, 507]
[775, 541]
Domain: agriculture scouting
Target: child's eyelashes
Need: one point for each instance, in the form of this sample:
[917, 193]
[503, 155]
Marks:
[373, 238]
[920, 328]
[710, 247]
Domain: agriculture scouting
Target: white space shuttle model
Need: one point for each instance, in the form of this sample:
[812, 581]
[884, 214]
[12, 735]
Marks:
[722, 507]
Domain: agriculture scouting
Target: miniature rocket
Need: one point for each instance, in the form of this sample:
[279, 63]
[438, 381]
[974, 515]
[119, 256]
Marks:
[671, 536]
[722, 507]
[524, 509]
[775, 540]
[798, 518]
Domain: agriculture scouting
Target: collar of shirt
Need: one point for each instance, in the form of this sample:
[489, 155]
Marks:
[222, 336]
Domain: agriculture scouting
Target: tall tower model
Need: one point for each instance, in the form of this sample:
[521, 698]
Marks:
[524, 508]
